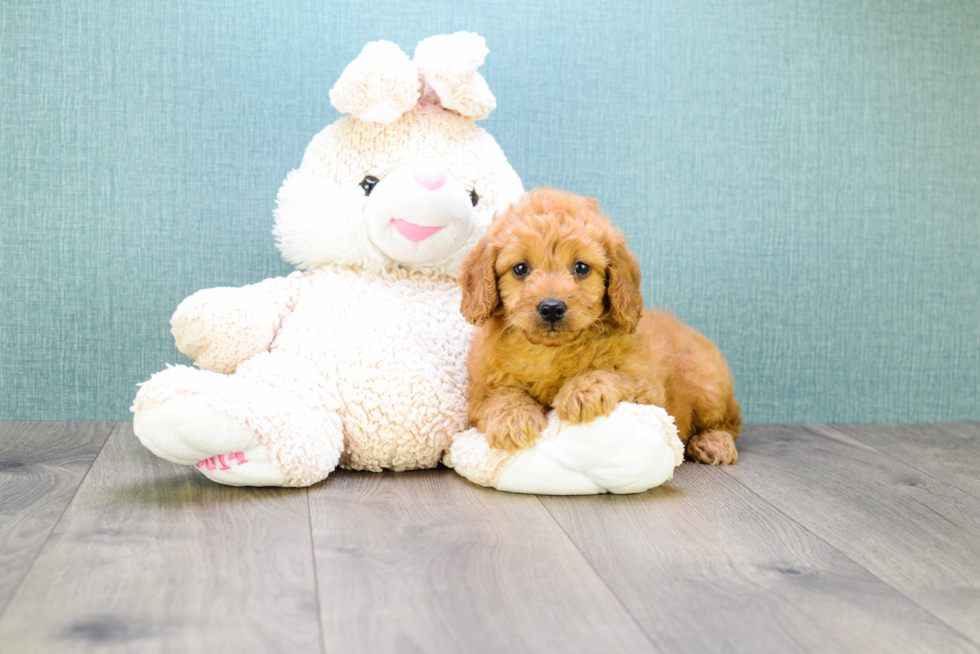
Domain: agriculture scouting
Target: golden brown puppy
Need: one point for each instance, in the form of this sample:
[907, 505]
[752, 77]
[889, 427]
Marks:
[558, 297]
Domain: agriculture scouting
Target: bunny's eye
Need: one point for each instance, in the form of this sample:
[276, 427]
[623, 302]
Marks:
[474, 198]
[521, 270]
[368, 184]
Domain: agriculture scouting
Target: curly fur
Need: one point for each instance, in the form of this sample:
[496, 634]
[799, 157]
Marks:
[604, 350]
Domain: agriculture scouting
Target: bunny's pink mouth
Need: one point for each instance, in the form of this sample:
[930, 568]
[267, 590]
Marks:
[413, 232]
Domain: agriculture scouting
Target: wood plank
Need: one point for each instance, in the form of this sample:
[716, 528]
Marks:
[707, 566]
[425, 561]
[917, 533]
[153, 557]
[41, 467]
[948, 451]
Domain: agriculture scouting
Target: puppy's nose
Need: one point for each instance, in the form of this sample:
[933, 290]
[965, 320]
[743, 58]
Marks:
[552, 310]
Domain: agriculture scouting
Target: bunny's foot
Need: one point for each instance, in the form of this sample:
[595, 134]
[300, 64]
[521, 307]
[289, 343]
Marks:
[238, 431]
[631, 450]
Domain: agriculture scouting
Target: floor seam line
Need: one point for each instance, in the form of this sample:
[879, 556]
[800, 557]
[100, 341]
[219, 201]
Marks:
[846, 556]
[890, 456]
[605, 583]
[316, 577]
[54, 525]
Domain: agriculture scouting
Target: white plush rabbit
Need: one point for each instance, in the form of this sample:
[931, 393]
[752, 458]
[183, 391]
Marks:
[358, 359]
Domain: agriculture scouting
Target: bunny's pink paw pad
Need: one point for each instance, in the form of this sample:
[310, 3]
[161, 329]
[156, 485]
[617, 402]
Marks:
[249, 468]
[223, 460]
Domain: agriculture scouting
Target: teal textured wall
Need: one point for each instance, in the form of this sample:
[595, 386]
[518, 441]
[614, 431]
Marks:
[801, 180]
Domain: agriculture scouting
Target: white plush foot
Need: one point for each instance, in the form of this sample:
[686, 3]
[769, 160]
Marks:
[186, 431]
[272, 423]
[632, 450]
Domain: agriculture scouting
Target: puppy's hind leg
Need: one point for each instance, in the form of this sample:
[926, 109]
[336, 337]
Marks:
[714, 448]
[713, 438]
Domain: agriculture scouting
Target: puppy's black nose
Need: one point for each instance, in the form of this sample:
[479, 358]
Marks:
[552, 310]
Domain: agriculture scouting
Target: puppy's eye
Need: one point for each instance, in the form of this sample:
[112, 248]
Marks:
[474, 198]
[368, 184]
[582, 269]
[521, 270]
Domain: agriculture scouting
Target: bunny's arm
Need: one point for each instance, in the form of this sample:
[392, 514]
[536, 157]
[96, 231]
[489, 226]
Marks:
[221, 327]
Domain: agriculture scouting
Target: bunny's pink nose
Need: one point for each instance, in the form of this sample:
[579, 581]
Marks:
[430, 179]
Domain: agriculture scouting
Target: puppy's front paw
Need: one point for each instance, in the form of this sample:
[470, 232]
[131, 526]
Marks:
[515, 429]
[581, 402]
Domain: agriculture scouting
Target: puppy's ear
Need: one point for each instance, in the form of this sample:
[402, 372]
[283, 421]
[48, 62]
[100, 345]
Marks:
[623, 286]
[478, 279]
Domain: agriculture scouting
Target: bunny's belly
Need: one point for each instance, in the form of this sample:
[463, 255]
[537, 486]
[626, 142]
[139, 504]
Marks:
[395, 348]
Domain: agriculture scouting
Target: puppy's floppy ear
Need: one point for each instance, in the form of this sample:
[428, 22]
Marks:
[478, 279]
[623, 285]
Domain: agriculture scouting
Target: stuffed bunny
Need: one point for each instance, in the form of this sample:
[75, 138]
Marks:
[358, 359]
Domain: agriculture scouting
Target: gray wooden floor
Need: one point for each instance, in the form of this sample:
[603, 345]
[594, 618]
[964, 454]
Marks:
[856, 538]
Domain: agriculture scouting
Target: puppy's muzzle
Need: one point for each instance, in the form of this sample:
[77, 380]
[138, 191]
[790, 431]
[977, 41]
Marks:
[552, 310]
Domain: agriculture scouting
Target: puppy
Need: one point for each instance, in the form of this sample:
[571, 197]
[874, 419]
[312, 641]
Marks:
[557, 296]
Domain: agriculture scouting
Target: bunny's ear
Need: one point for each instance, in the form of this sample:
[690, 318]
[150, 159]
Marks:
[379, 86]
[449, 63]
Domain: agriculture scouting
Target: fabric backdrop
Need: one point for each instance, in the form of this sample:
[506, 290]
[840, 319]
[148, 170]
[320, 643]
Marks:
[800, 180]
